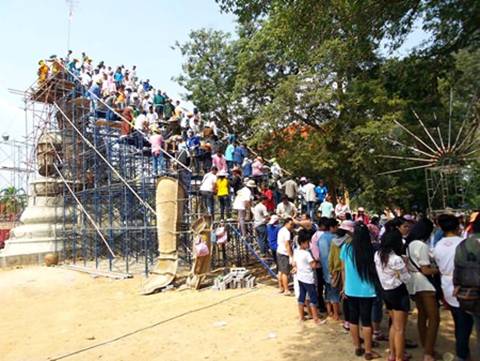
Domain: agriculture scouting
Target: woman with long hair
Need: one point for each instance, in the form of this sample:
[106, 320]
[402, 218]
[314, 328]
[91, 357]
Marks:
[359, 288]
[421, 288]
[392, 273]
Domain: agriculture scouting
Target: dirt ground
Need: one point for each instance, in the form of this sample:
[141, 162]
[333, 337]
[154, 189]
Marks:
[59, 314]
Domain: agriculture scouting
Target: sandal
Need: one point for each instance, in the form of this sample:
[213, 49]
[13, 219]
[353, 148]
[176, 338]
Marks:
[371, 355]
[359, 351]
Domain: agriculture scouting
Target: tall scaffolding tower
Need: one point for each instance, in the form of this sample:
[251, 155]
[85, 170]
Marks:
[107, 184]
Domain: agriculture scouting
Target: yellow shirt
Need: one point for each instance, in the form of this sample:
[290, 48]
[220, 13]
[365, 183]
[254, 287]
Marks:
[222, 187]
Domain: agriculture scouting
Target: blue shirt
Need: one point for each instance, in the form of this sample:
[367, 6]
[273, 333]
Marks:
[247, 170]
[229, 152]
[321, 192]
[193, 144]
[272, 234]
[324, 243]
[239, 154]
[354, 285]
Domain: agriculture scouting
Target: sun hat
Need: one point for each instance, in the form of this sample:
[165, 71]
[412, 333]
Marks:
[347, 226]
[251, 184]
[274, 219]
[303, 179]
[361, 209]
[222, 173]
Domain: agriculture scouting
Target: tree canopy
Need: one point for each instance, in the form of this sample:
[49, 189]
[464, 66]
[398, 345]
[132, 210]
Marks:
[326, 68]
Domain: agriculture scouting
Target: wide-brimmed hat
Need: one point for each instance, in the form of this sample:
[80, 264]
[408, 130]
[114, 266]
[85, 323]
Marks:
[251, 184]
[348, 226]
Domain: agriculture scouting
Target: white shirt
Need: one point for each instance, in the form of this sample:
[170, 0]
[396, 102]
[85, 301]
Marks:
[208, 182]
[152, 118]
[287, 210]
[243, 196]
[308, 191]
[260, 214]
[418, 252]
[140, 122]
[283, 238]
[444, 254]
[326, 208]
[394, 273]
[302, 259]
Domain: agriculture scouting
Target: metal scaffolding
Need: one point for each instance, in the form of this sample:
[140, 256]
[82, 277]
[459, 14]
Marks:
[109, 218]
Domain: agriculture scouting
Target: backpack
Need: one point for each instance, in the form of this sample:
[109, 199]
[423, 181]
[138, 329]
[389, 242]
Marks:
[466, 276]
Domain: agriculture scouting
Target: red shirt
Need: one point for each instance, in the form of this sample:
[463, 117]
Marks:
[269, 202]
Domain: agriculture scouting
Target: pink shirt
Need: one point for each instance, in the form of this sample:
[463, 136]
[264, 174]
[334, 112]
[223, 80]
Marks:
[220, 162]
[156, 140]
[257, 168]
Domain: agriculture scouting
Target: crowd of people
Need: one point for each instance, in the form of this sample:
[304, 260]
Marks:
[359, 265]
[341, 262]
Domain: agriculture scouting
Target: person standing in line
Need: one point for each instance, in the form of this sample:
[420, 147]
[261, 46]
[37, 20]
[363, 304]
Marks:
[207, 190]
[284, 254]
[327, 207]
[419, 286]
[318, 269]
[260, 219]
[272, 233]
[223, 194]
[219, 161]
[156, 140]
[332, 294]
[290, 189]
[286, 209]
[269, 199]
[241, 204]
[321, 190]
[359, 288]
[444, 254]
[310, 197]
[466, 274]
[393, 274]
[229, 152]
[303, 266]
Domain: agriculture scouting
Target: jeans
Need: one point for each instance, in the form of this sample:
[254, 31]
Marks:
[463, 328]
[208, 202]
[311, 209]
[157, 163]
[224, 206]
[261, 232]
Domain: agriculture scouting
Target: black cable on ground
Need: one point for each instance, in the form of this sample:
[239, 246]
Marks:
[128, 334]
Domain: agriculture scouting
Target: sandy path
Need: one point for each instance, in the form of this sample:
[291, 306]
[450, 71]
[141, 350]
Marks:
[48, 312]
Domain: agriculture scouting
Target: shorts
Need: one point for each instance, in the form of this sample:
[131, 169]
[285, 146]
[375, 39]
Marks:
[307, 289]
[332, 294]
[360, 309]
[397, 299]
[283, 263]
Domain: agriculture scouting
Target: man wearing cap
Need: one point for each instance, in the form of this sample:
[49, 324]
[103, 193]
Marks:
[260, 218]
[207, 190]
[286, 209]
[242, 203]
